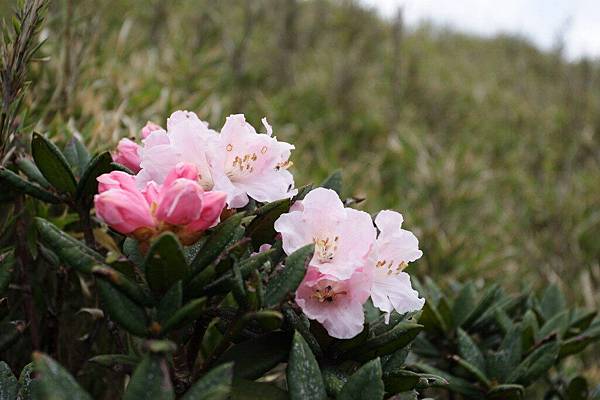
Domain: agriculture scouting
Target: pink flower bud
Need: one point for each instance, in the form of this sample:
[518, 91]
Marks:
[125, 211]
[128, 154]
[116, 180]
[214, 203]
[148, 129]
[180, 202]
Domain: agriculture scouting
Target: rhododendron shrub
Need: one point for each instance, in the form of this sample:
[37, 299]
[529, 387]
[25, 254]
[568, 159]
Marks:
[187, 264]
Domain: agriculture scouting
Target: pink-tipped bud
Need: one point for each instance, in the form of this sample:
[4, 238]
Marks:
[128, 154]
[181, 170]
[214, 203]
[125, 211]
[180, 202]
[116, 180]
[148, 129]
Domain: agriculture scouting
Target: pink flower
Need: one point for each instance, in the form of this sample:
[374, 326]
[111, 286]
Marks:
[342, 236]
[120, 205]
[148, 129]
[179, 205]
[187, 139]
[249, 164]
[127, 154]
[336, 304]
[393, 250]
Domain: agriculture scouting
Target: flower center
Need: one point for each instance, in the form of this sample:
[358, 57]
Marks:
[327, 294]
[391, 267]
[242, 165]
[325, 248]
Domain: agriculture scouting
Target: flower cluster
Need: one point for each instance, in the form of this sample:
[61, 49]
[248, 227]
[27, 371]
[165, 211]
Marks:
[351, 262]
[188, 173]
[179, 205]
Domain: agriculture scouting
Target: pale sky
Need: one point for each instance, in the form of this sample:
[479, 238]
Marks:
[542, 21]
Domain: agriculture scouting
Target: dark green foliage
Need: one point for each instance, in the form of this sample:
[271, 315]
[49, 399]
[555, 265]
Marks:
[303, 375]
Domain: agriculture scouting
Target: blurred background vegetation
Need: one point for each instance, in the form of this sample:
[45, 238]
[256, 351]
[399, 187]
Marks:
[489, 147]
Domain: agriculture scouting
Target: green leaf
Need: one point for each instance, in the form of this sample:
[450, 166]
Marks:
[334, 182]
[297, 324]
[132, 251]
[186, 314]
[288, 279]
[122, 283]
[501, 363]
[53, 382]
[432, 320]
[110, 360]
[88, 185]
[303, 374]
[261, 230]
[122, 310]
[256, 356]
[170, 303]
[215, 385]
[577, 343]
[530, 329]
[469, 350]
[552, 303]
[535, 364]
[53, 164]
[28, 167]
[364, 384]
[487, 299]
[16, 182]
[334, 380]
[473, 370]
[396, 338]
[165, 263]
[71, 251]
[247, 390]
[8, 383]
[7, 266]
[150, 380]
[577, 389]
[217, 242]
[400, 381]
[506, 392]
[558, 325]
[77, 155]
[25, 382]
[455, 384]
[464, 304]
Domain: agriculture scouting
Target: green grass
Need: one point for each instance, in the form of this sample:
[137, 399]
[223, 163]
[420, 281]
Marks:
[489, 147]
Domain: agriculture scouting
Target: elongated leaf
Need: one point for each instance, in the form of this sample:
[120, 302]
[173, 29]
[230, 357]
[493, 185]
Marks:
[71, 251]
[334, 182]
[77, 155]
[297, 324]
[122, 310]
[7, 177]
[455, 383]
[535, 364]
[334, 380]
[165, 263]
[8, 383]
[25, 380]
[552, 303]
[473, 370]
[53, 164]
[244, 389]
[150, 380]
[303, 374]
[398, 337]
[88, 185]
[122, 283]
[186, 314]
[217, 241]
[261, 229]
[7, 266]
[401, 381]
[215, 385]
[489, 296]
[364, 384]
[290, 277]
[469, 350]
[110, 360]
[54, 382]
[170, 303]
[464, 304]
[506, 392]
[256, 356]
[28, 167]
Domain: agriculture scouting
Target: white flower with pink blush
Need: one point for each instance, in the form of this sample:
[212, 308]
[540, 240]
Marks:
[393, 250]
[187, 139]
[342, 236]
[336, 304]
[250, 164]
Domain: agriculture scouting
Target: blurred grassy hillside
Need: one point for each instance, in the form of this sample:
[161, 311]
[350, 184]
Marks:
[489, 147]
